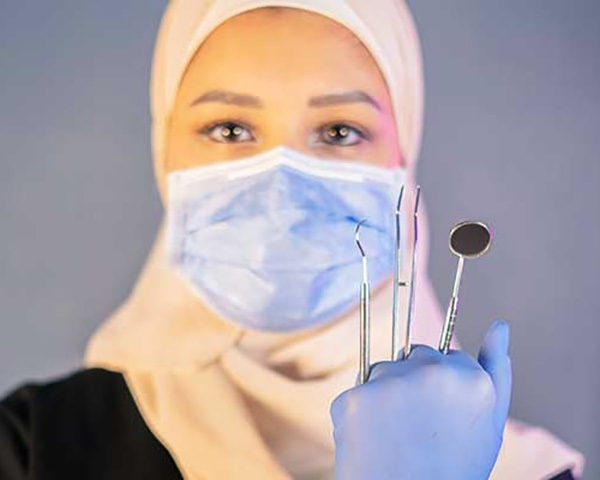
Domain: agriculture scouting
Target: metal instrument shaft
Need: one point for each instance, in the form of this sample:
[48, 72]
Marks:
[365, 315]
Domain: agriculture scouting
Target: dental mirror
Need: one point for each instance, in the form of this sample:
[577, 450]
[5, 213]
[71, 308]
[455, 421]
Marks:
[468, 240]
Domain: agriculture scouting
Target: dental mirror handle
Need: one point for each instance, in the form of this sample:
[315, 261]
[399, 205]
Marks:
[448, 330]
[452, 313]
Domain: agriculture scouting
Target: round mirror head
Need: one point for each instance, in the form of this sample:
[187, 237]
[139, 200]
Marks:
[470, 239]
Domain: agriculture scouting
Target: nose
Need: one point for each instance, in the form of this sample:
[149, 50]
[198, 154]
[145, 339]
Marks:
[291, 131]
[288, 138]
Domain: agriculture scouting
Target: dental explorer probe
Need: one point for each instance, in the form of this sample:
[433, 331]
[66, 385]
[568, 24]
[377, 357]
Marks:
[365, 315]
[397, 268]
[467, 240]
[399, 283]
[411, 288]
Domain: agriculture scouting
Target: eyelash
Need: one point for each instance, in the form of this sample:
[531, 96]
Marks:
[209, 129]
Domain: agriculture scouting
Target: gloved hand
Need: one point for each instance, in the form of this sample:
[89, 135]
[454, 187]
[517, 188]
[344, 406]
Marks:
[430, 417]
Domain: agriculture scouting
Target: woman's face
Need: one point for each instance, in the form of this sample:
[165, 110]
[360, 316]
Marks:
[278, 76]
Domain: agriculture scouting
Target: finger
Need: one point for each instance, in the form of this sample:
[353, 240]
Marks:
[384, 369]
[493, 358]
[424, 352]
[420, 354]
[463, 359]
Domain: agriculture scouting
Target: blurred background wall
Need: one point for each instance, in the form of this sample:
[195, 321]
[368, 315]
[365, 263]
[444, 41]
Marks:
[511, 137]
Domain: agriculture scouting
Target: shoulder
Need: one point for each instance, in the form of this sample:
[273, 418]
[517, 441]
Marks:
[66, 425]
[96, 388]
[86, 399]
[82, 397]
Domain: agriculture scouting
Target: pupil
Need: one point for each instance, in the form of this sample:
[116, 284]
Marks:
[338, 131]
[231, 129]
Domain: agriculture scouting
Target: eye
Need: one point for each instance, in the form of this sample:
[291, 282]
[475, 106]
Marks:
[342, 134]
[227, 132]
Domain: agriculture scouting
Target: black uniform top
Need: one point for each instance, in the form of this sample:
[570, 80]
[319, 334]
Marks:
[84, 426]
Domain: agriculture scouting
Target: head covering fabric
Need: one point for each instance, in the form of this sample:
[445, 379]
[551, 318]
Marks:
[385, 27]
[231, 403]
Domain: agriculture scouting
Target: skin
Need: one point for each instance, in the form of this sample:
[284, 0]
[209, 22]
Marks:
[285, 70]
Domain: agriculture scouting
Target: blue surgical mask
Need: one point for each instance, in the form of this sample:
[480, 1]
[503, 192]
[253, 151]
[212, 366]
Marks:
[267, 241]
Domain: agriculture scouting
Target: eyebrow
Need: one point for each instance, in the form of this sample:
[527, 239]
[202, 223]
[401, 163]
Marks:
[231, 98]
[341, 98]
[245, 100]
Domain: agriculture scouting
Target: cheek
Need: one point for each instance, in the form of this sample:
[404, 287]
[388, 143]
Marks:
[184, 147]
[180, 150]
[172, 144]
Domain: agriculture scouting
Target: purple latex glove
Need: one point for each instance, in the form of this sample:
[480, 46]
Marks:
[432, 416]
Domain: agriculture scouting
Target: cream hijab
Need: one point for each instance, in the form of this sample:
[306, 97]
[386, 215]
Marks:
[230, 403]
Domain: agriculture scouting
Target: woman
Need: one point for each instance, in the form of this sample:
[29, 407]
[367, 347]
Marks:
[226, 359]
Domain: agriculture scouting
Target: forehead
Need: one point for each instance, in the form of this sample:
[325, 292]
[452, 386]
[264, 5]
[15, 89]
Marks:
[278, 49]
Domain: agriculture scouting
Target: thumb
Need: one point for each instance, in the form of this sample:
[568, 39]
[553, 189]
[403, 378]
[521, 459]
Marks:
[493, 358]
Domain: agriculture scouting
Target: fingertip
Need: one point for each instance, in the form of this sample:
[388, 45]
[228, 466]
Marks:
[338, 405]
[498, 336]
[423, 350]
[500, 323]
[378, 369]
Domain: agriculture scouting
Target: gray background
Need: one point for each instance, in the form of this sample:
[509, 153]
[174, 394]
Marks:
[511, 137]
